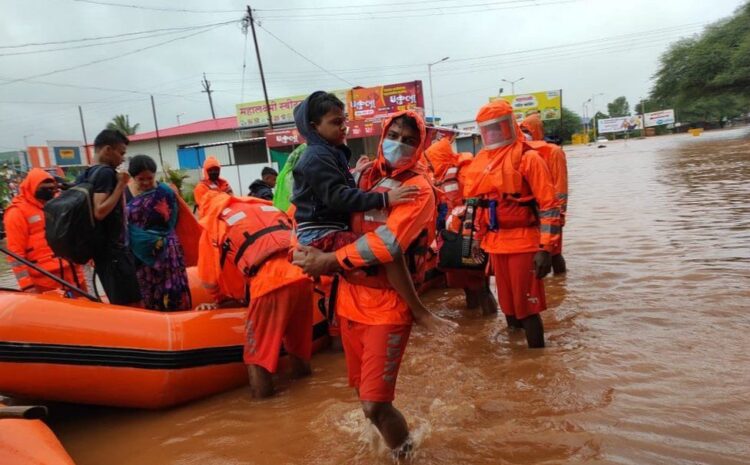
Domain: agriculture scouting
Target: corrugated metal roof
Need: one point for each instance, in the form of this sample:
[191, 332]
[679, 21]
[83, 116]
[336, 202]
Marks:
[209, 125]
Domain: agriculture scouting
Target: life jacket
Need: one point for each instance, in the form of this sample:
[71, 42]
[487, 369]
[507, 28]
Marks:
[369, 221]
[450, 188]
[255, 232]
[38, 252]
[509, 211]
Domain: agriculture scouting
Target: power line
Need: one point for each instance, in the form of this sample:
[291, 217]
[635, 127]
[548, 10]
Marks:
[126, 34]
[413, 12]
[303, 56]
[599, 40]
[369, 5]
[129, 39]
[150, 8]
[102, 60]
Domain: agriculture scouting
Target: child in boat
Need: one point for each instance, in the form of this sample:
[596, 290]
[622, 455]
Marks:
[325, 195]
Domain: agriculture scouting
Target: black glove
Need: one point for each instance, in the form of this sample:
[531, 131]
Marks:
[542, 264]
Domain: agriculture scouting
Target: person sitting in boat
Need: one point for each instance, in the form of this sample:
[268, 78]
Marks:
[24, 226]
[211, 181]
[243, 256]
[152, 213]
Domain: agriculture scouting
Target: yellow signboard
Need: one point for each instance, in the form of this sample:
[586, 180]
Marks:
[255, 113]
[547, 103]
[67, 153]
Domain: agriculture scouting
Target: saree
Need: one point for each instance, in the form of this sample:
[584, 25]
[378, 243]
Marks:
[160, 261]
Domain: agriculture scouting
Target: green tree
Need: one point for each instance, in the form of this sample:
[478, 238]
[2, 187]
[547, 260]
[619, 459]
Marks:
[648, 104]
[122, 124]
[706, 78]
[619, 107]
[571, 124]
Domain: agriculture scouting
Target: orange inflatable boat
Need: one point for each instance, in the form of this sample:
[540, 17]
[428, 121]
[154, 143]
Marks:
[29, 442]
[58, 349]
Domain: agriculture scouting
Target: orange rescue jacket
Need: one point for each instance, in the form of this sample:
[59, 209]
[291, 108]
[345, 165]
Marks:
[554, 156]
[521, 211]
[24, 227]
[206, 185]
[404, 224]
[240, 235]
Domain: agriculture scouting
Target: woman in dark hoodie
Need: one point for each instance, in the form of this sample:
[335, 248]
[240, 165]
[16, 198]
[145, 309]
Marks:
[325, 195]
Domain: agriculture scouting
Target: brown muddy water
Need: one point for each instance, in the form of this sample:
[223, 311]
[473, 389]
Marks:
[647, 359]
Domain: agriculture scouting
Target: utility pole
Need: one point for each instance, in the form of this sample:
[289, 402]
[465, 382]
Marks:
[83, 129]
[207, 89]
[249, 21]
[429, 76]
[158, 139]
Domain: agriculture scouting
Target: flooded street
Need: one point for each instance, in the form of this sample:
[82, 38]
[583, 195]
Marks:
[647, 359]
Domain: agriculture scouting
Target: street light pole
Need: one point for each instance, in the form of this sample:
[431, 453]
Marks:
[593, 110]
[512, 84]
[178, 118]
[429, 76]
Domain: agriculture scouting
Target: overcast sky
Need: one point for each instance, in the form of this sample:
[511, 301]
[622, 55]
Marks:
[584, 47]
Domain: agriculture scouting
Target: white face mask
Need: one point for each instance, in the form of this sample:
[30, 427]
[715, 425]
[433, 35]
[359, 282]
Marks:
[397, 154]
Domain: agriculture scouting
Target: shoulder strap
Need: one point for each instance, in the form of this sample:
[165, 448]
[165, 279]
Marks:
[251, 238]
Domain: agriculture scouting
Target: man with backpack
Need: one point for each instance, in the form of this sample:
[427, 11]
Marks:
[24, 224]
[113, 262]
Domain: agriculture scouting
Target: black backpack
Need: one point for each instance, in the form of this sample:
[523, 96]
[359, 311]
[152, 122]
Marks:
[70, 226]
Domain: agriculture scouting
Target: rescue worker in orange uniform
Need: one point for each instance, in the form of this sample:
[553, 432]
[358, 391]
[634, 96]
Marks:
[520, 219]
[557, 163]
[375, 321]
[244, 250]
[24, 226]
[211, 181]
[445, 166]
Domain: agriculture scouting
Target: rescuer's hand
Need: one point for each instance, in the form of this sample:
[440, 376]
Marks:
[314, 262]
[542, 264]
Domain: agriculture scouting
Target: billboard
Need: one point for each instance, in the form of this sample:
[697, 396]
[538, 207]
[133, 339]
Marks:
[290, 136]
[548, 103]
[623, 123]
[255, 114]
[657, 118]
[366, 103]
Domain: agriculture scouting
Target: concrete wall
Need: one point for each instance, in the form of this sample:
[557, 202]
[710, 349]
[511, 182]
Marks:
[169, 146]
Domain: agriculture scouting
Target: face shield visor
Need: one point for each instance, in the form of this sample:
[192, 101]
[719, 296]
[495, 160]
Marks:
[498, 132]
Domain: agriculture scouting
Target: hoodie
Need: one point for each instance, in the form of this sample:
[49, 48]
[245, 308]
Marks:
[260, 189]
[206, 184]
[325, 193]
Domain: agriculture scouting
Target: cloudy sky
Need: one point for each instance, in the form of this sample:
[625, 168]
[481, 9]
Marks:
[161, 47]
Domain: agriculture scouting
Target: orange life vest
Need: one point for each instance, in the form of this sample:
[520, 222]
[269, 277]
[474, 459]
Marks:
[38, 252]
[364, 222]
[450, 188]
[508, 211]
[254, 233]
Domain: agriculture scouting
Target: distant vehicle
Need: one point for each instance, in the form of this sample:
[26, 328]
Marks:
[601, 142]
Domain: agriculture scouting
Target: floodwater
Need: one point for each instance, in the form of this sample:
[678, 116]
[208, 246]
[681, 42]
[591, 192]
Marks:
[647, 359]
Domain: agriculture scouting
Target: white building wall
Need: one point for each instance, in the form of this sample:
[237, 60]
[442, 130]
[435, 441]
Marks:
[169, 146]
